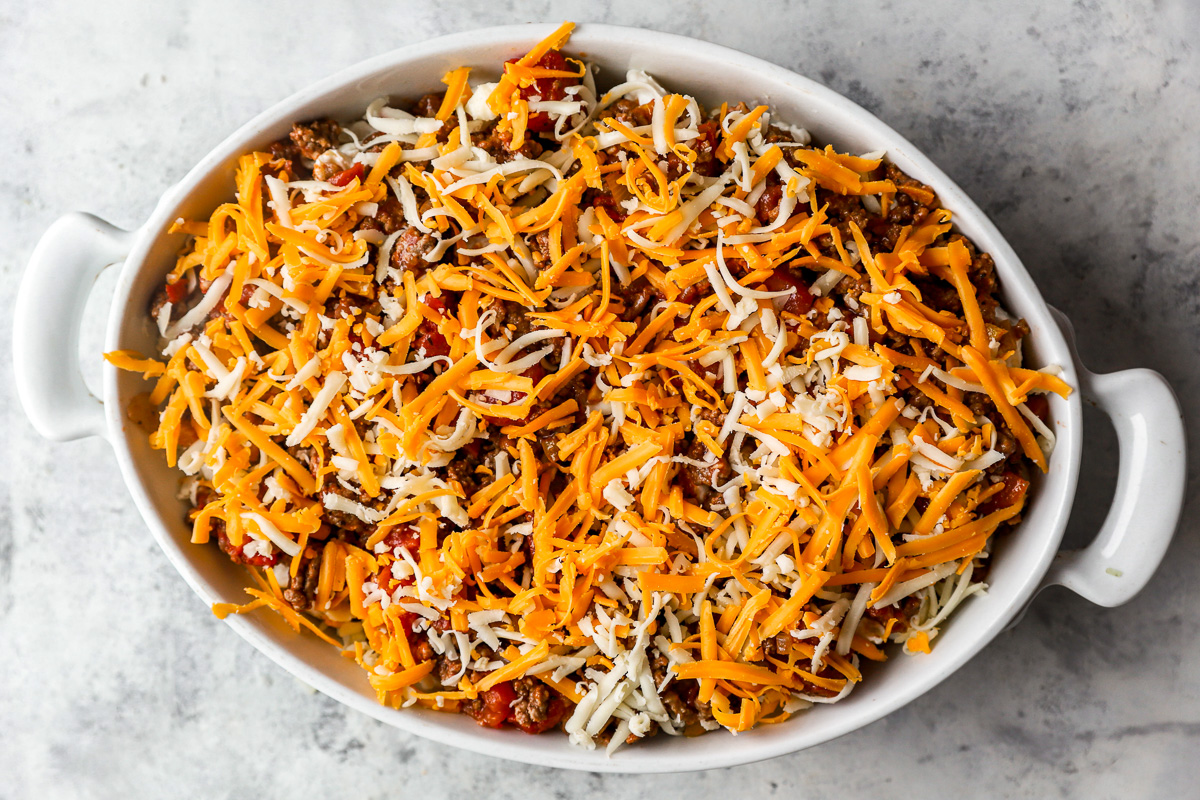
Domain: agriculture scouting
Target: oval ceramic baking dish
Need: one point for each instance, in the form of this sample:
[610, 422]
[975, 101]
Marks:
[1110, 571]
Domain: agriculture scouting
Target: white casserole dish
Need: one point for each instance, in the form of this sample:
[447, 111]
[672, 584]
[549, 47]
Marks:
[1110, 571]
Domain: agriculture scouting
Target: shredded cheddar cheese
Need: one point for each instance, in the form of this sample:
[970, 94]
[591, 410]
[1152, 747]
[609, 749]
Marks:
[593, 410]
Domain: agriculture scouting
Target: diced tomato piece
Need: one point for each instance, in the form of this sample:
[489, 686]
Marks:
[1013, 492]
[767, 207]
[1039, 405]
[238, 555]
[430, 343]
[801, 300]
[546, 89]
[535, 373]
[345, 176]
[405, 536]
[407, 620]
[177, 291]
[497, 705]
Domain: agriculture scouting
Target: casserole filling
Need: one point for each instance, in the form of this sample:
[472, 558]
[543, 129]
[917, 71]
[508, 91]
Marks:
[600, 411]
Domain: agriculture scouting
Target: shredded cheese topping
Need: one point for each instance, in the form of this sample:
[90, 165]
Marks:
[665, 412]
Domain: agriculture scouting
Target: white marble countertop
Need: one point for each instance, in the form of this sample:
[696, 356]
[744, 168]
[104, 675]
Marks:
[1074, 125]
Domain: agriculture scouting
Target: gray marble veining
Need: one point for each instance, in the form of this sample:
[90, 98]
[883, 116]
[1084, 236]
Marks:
[1074, 125]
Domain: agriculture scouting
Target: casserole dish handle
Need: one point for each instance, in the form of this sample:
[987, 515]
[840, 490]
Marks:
[50, 302]
[1151, 479]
